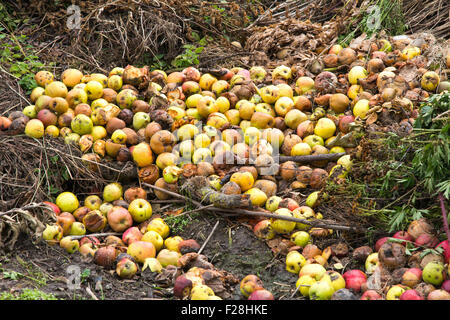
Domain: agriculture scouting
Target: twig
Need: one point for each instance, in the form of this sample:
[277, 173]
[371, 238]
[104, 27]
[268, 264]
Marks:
[104, 234]
[309, 158]
[444, 216]
[209, 237]
[236, 211]
[89, 291]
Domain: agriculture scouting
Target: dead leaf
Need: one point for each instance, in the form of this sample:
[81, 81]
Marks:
[372, 118]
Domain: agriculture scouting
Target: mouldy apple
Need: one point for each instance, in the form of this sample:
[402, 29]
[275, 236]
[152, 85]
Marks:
[105, 256]
[182, 287]
[294, 261]
[201, 292]
[434, 273]
[249, 284]
[126, 268]
[343, 294]
[53, 233]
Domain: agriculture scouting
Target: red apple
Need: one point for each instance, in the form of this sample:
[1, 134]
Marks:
[380, 242]
[412, 277]
[89, 239]
[344, 123]
[54, 207]
[403, 235]
[119, 219]
[371, 295]
[261, 294]
[411, 294]
[354, 279]
[426, 240]
[131, 235]
[446, 246]
[289, 203]
[182, 287]
[446, 285]
[263, 230]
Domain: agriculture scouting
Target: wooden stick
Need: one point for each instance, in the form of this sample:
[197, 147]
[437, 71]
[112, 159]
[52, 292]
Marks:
[105, 234]
[209, 237]
[236, 211]
[309, 158]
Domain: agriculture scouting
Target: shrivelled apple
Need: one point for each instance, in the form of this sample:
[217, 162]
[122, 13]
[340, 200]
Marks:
[201, 292]
[249, 284]
[52, 233]
[263, 230]
[69, 244]
[182, 287]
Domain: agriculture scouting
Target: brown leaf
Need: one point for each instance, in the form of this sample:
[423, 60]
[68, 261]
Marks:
[372, 118]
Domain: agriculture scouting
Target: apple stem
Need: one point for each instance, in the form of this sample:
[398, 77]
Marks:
[444, 216]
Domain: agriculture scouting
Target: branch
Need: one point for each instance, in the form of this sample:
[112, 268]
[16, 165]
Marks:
[310, 158]
[236, 211]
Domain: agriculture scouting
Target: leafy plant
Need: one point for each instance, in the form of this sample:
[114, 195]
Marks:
[28, 294]
[189, 57]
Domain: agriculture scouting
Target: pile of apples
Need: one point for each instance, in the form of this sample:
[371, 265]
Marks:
[388, 272]
[186, 123]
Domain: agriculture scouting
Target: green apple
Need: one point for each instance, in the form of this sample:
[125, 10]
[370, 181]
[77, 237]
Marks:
[434, 273]
[140, 120]
[321, 290]
[300, 238]
[112, 192]
[305, 282]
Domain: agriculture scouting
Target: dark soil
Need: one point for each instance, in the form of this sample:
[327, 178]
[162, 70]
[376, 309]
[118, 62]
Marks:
[232, 247]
